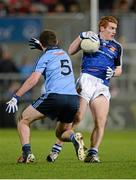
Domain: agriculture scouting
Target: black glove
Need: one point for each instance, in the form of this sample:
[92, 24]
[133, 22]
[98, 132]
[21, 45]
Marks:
[35, 44]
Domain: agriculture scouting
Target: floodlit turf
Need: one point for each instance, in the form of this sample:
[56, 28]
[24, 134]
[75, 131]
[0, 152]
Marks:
[117, 152]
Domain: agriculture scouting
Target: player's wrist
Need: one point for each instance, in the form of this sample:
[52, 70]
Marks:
[113, 74]
[17, 97]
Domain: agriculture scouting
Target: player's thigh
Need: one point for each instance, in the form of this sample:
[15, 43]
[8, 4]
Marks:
[82, 106]
[31, 114]
[100, 108]
[81, 111]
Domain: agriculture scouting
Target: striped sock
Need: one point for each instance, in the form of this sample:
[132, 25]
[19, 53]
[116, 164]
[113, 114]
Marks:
[93, 151]
[73, 140]
[56, 148]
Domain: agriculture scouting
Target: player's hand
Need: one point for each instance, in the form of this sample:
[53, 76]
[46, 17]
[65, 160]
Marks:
[12, 104]
[89, 35]
[35, 44]
[109, 73]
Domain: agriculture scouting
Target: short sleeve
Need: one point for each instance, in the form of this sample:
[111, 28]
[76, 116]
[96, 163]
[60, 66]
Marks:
[41, 63]
[118, 60]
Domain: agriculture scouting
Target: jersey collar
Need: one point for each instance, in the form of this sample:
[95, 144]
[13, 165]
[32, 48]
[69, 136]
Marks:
[51, 48]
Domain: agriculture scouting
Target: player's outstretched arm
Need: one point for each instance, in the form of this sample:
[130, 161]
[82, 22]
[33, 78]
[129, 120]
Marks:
[28, 84]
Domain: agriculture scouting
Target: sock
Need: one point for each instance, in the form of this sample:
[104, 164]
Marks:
[26, 148]
[93, 151]
[56, 148]
[73, 140]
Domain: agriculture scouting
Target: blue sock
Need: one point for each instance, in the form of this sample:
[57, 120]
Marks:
[26, 148]
[56, 148]
[73, 140]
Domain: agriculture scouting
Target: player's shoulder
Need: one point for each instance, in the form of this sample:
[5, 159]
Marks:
[44, 56]
[117, 43]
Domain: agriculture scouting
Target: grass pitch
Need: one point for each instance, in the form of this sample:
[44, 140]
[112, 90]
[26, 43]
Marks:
[117, 152]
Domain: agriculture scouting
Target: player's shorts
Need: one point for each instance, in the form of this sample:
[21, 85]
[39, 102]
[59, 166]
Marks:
[58, 106]
[89, 87]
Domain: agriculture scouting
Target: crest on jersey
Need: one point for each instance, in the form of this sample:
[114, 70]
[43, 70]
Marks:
[112, 49]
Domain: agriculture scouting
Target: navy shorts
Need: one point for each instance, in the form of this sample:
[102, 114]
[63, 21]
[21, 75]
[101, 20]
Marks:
[58, 106]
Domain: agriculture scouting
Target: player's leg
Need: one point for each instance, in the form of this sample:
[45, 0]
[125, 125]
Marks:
[57, 147]
[99, 108]
[26, 118]
[83, 104]
[65, 133]
[55, 151]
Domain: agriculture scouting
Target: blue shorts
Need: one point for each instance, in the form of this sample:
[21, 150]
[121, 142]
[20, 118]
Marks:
[58, 106]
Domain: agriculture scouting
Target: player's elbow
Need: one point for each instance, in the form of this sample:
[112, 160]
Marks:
[72, 50]
[74, 46]
[34, 81]
[34, 78]
[120, 72]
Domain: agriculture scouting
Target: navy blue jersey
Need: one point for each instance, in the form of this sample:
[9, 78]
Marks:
[56, 67]
[109, 54]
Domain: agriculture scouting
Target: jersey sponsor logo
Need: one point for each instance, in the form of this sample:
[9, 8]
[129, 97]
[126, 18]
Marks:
[112, 49]
[59, 53]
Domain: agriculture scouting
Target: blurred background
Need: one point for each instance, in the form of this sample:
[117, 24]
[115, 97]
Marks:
[21, 20]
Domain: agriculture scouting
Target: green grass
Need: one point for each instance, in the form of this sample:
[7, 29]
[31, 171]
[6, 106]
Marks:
[117, 152]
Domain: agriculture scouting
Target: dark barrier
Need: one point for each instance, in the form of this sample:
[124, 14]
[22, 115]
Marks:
[6, 120]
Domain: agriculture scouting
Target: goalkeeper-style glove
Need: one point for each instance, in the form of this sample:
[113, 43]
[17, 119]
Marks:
[109, 73]
[12, 104]
[89, 35]
[35, 44]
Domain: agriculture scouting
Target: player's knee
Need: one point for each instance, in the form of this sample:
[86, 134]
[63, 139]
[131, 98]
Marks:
[100, 123]
[23, 118]
[78, 118]
[58, 134]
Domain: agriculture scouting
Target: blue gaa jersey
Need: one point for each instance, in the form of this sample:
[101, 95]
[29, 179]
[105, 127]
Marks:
[56, 67]
[109, 54]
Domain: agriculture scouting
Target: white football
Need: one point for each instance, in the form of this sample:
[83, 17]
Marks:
[88, 45]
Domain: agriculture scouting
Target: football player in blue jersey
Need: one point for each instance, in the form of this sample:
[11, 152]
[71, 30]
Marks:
[93, 84]
[60, 101]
